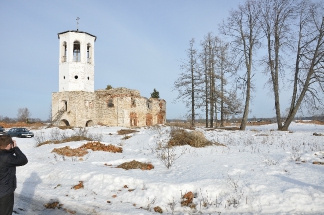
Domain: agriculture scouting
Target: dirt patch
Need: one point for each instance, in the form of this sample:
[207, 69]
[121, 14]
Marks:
[126, 137]
[158, 209]
[97, 146]
[180, 137]
[75, 138]
[318, 162]
[82, 150]
[56, 204]
[68, 139]
[187, 200]
[78, 186]
[229, 128]
[65, 127]
[126, 131]
[69, 152]
[53, 205]
[136, 165]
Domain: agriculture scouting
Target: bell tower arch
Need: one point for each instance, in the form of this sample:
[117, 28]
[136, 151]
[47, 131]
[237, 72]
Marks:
[76, 61]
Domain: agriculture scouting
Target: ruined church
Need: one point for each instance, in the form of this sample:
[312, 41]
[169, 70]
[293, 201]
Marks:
[78, 104]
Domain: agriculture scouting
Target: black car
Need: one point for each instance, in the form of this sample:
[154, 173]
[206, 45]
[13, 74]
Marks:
[20, 132]
[2, 130]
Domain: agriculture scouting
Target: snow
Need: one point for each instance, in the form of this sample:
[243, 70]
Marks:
[258, 171]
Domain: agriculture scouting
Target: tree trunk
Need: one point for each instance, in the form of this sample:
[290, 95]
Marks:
[247, 102]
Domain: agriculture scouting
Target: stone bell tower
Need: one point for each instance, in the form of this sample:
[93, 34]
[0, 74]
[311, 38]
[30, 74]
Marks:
[76, 61]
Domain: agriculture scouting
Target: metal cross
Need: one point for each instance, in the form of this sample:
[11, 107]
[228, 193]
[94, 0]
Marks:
[77, 19]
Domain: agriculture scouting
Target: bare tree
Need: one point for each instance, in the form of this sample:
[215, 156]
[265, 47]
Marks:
[23, 114]
[308, 79]
[243, 27]
[204, 90]
[186, 83]
[207, 89]
[225, 68]
[276, 17]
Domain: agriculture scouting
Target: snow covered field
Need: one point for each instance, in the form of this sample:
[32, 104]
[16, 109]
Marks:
[258, 171]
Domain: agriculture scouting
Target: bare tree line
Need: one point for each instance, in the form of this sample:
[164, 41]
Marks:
[23, 115]
[202, 83]
[289, 32]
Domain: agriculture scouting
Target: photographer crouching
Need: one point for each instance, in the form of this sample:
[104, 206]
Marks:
[10, 157]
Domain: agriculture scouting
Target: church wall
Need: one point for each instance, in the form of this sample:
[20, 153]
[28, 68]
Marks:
[80, 107]
[112, 108]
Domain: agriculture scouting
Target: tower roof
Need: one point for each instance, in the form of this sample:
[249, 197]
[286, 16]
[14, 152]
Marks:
[76, 31]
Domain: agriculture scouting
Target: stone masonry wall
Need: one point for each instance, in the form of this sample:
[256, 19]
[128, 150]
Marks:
[114, 107]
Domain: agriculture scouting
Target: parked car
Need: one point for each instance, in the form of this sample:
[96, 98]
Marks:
[2, 130]
[20, 132]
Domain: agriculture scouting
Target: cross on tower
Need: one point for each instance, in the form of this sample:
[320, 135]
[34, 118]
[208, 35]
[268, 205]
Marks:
[77, 19]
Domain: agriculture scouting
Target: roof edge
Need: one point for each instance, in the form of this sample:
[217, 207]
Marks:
[76, 31]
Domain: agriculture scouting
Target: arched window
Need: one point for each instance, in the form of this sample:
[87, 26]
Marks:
[76, 51]
[89, 53]
[64, 51]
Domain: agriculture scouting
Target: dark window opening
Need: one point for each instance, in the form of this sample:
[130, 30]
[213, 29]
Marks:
[133, 103]
[89, 53]
[88, 78]
[149, 105]
[76, 51]
[76, 77]
[110, 103]
[64, 51]
[64, 77]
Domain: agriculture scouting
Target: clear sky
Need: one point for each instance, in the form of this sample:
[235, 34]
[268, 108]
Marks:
[140, 45]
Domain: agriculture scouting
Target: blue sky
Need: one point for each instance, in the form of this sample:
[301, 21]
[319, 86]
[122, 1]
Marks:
[140, 45]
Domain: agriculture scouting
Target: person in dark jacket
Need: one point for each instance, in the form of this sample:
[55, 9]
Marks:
[10, 157]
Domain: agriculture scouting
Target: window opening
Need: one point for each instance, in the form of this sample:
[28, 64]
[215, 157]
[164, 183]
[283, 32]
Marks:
[76, 51]
[149, 105]
[64, 47]
[133, 102]
[89, 52]
[110, 103]
[76, 77]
